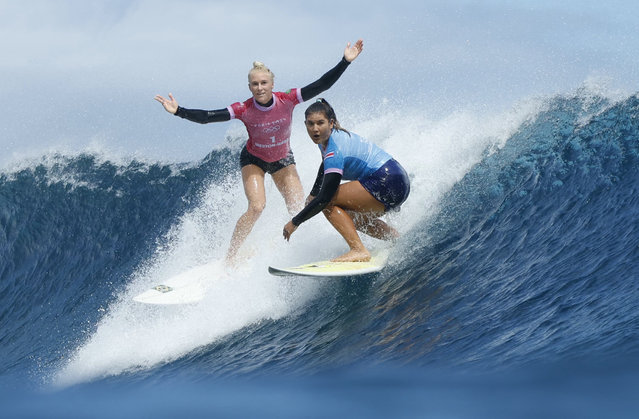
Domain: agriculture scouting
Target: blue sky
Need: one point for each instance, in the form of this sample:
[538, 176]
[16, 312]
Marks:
[81, 74]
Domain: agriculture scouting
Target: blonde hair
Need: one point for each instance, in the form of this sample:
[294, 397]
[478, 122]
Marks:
[259, 66]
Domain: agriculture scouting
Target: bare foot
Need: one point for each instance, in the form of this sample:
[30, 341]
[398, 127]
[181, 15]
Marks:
[354, 256]
[239, 257]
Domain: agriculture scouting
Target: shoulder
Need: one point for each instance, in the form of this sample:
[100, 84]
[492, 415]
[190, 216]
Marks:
[332, 147]
[339, 136]
[238, 108]
[291, 95]
[332, 158]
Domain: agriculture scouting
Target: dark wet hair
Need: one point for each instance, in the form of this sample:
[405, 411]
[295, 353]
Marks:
[322, 106]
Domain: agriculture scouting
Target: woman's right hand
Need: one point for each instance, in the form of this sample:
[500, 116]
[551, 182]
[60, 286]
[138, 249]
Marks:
[289, 229]
[169, 104]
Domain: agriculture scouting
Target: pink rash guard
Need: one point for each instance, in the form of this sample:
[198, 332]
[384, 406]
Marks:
[269, 128]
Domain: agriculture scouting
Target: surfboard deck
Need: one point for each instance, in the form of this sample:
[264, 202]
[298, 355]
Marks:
[326, 268]
[189, 287]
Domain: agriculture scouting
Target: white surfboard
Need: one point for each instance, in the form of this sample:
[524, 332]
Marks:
[326, 268]
[186, 288]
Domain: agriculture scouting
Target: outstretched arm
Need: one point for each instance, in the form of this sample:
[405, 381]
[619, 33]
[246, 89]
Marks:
[195, 115]
[332, 75]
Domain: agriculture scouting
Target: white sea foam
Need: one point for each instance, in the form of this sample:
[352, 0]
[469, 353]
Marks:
[131, 336]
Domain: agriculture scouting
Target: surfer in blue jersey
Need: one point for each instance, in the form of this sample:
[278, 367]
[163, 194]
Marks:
[377, 184]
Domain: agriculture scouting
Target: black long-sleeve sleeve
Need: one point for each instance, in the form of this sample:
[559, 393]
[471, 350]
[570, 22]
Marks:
[318, 180]
[203, 117]
[326, 81]
[323, 83]
[330, 183]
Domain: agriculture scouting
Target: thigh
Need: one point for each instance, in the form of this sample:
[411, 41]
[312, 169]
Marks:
[253, 180]
[288, 183]
[287, 179]
[352, 196]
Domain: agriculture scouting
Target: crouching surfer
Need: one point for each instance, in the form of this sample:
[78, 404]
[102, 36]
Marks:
[377, 184]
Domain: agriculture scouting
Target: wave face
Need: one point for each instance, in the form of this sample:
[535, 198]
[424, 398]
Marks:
[526, 253]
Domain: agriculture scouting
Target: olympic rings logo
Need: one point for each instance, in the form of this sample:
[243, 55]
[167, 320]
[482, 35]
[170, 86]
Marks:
[271, 130]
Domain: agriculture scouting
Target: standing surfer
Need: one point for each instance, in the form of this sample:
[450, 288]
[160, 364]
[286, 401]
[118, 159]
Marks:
[267, 116]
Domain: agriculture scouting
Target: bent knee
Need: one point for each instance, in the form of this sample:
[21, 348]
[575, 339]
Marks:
[329, 210]
[256, 208]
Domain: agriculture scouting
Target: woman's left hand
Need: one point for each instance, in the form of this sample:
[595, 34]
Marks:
[351, 52]
[289, 228]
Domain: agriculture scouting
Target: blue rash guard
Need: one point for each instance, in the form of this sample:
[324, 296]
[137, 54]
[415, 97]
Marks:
[348, 156]
[351, 156]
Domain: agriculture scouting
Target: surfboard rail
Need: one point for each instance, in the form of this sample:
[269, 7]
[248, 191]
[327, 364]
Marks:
[327, 268]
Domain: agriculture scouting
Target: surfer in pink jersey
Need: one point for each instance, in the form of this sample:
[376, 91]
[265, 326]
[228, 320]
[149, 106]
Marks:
[267, 117]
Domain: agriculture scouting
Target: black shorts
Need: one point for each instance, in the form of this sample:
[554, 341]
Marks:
[247, 158]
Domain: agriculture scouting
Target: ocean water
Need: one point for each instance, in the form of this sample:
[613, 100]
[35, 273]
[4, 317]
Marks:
[513, 291]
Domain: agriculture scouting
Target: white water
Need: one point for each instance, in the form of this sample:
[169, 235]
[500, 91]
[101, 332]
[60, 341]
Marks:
[132, 336]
